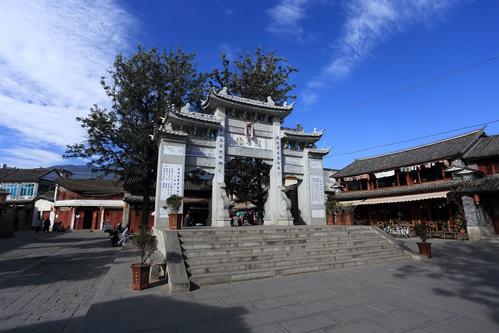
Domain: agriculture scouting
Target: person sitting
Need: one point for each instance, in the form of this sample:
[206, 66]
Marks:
[123, 237]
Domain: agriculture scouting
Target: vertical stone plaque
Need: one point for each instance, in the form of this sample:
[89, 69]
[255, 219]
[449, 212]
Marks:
[171, 183]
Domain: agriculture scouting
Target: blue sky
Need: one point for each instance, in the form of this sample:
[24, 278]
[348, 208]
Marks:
[349, 54]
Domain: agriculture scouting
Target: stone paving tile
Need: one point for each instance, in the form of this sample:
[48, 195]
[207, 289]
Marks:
[362, 327]
[272, 328]
[403, 319]
[354, 312]
[274, 302]
[44, 294]
[242, 298]
[312, 308]
[306, 324]
[396, 297]
[314, 296]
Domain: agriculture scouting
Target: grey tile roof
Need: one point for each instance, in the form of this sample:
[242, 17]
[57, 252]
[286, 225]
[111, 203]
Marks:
[321, 151]
[137, 199]
[198, 116]
[49, 196]
[292, 132]
[487, 184]
[91, 186]
[440, 150]
[398, 190]
[16, 175]
[487, 146]
[269, 104]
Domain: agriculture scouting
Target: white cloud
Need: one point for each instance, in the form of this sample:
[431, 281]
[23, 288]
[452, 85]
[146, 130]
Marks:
[286, 17]
[52, 56]
[30, 157]
[370, 22]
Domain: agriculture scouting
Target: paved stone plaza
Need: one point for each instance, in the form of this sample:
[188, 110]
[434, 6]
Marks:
[47, 279]
[457, 291]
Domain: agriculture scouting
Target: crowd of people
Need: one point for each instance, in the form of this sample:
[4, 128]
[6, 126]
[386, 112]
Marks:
[244, 218]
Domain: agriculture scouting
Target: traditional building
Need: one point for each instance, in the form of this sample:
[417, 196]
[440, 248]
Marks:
[419, 184]
[480, 196]
[25, 186]
[232, 126]
[88, 203]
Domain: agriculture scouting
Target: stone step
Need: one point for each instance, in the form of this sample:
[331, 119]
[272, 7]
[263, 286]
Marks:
[239, 243]
[236, 276]
[208, 231]
[269, 236]
[299, 261]
[228, 251]
[224, 258]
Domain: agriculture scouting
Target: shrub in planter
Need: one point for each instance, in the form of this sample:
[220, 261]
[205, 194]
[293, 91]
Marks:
[173, 204]
[422, 231]
[460, 222]
[147, 244]
[331, 207]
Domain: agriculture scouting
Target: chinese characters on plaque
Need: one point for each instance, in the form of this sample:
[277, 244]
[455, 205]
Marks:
[316, 190]
[220, 155]
[171, 182]
[278, 161]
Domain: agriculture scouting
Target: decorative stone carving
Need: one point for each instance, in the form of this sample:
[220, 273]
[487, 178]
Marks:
[284, 204]
[223, 203]
[270, 101]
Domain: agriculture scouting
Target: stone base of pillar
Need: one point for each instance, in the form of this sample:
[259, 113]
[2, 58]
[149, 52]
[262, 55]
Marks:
[221, 223]
[474, 233]
[285, 221]
[315, 221]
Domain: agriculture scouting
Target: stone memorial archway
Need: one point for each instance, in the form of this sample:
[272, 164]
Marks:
[232, 126]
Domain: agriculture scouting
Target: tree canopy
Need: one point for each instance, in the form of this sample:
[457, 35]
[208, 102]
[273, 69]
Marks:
[142, 89]
[255, 76]
[248, 179]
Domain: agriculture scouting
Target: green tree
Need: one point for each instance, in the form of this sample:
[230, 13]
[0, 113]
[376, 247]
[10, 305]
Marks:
[248, 179]
[255, 76]
[142, 89]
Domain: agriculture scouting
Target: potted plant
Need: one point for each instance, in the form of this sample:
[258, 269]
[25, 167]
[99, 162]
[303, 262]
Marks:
[147, 244]
[423, 233]
[460, 223]
[173, 204]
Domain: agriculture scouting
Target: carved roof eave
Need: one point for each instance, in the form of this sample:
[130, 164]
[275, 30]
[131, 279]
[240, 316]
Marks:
[319, 152]
[164, 132]
[302, 136]
[181, 118]
[214, 99]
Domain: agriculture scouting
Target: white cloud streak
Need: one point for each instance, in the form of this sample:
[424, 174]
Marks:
[286, 17]
[52, 56]
[30, 157]
[369, 23]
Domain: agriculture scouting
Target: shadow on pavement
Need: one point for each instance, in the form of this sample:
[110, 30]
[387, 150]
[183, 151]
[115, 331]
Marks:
[148, 313]
[471, 269]
[88, 259]
[32, 240]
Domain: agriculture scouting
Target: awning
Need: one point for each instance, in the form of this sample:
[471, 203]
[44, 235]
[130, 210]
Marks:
[394, 199]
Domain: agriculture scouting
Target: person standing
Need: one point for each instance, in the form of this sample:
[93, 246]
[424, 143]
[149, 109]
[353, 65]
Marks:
[46, 225]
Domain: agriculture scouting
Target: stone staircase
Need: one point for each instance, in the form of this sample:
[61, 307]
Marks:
[221, 255]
